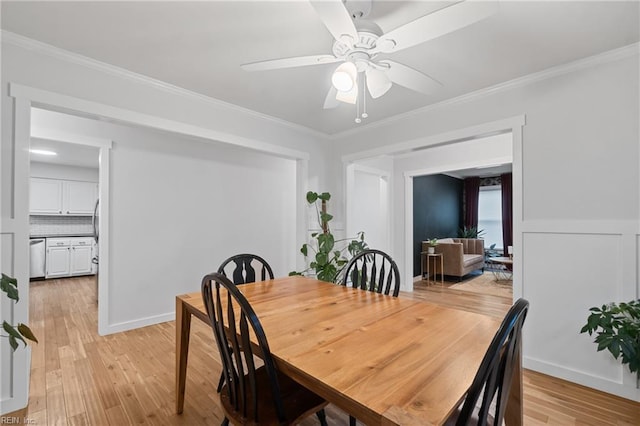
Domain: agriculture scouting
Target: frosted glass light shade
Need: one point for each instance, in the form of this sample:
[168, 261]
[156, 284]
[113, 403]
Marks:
[344, 77]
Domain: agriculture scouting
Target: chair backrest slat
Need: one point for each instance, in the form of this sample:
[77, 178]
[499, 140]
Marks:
[235, 347]
[242, 268]
[373, 270]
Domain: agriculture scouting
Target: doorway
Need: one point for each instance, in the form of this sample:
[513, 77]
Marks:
[78, 166]
[368, 198]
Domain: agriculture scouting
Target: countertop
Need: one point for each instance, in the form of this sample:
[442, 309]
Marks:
[61, 236]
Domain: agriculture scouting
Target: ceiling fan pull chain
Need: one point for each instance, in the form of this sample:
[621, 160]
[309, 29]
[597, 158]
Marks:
[358, 80]
[364, 96]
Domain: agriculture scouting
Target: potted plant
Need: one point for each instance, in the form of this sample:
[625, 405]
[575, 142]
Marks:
[617, 328]
[470, 232]
[433, 242]
[22, 331]
[329, 254]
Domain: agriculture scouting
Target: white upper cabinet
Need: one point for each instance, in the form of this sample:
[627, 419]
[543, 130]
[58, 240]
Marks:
[80, 197]
[45, 196]
[62, 197]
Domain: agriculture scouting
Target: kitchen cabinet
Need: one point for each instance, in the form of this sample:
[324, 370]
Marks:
[58, 258]
[68, 257]
[45, 196]
[62, 197]
[81, 254]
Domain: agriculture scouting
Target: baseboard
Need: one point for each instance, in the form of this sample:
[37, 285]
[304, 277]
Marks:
[581, 378]
[138, 323]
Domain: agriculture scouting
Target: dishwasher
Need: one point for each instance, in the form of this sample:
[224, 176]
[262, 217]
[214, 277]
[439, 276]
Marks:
[37, 259]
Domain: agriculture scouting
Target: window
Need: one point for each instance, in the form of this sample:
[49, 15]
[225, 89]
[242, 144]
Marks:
[490, 215]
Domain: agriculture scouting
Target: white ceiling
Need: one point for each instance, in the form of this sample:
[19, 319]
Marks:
[68, 154]
[200, 46]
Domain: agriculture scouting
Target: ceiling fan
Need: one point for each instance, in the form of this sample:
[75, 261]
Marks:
[358, 42]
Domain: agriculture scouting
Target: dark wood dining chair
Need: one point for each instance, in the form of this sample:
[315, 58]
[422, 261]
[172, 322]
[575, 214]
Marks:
[373, 270]
[251, 395]
[244, 268]
[486, 398]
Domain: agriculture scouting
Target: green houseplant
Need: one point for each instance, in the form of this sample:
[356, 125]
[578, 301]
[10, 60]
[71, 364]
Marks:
[433, 242]
[329, 254]
[470, 232]
[22, 331]
[617, 328]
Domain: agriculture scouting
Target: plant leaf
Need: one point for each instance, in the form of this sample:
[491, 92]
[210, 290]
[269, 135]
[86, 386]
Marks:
[13, 343]
[13, 333]
[311, 197]
[325, 217]
[304, 250]
[10, 286]
[26, 332]
[325, 196]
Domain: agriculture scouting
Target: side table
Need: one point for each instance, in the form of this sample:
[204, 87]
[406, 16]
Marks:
[503, 268]
[429, 257]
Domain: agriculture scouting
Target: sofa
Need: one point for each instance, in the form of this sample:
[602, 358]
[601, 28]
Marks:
[459, 255]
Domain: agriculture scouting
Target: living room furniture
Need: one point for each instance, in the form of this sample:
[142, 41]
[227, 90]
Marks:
[502, 268]
[437, 258]
[460, 255]
[320, 333]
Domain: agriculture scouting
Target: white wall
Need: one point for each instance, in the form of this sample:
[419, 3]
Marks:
[580, 190]
[179, 207]
[176, 208]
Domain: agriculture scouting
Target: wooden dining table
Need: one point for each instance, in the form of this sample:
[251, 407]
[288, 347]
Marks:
[385, 360]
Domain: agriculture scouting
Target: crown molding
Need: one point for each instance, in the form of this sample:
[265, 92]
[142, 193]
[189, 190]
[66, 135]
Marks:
[56, 52]
[580, 64]
[75, 58]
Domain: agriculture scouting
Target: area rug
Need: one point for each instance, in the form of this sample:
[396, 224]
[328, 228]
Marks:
[486, 284]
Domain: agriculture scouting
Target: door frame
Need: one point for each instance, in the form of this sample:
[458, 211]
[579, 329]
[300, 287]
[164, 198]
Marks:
[512, 124]
[104, 159]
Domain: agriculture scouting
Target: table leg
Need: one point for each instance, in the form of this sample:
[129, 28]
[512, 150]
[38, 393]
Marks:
[183, 327]
[514, 414]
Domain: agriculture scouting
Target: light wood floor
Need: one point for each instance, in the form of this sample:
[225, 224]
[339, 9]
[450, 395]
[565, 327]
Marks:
[80, 378]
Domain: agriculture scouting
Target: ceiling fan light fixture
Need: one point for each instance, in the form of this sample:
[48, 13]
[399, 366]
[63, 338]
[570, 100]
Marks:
[344, 77]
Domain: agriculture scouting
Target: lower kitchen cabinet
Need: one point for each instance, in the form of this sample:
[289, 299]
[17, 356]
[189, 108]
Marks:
[58, 261]
[80, 262]
[68, 257]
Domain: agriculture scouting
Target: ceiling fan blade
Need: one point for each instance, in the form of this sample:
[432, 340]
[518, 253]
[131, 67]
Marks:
[349, 97]
[300, 61]
[435, 24]
[378, 82]
[410, 78]
[336, 18]
[330, 101]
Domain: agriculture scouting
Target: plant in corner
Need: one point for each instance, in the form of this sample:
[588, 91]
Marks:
[617, 328]
[470, 232]
[21, 331]
[329, 254]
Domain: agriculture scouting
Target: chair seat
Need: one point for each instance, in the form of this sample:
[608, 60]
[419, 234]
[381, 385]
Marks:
[298, 401]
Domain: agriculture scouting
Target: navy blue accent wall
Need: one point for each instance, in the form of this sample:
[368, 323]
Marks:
[437, 211]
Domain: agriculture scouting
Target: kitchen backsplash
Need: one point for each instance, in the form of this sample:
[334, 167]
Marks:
[60, 225]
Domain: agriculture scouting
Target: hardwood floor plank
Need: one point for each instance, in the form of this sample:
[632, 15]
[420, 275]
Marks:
[79, 377]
